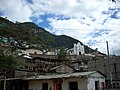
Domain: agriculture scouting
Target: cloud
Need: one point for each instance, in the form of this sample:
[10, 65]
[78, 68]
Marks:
[16, 10]
[91, 21]
[73, 8]
[118, 14]
[94, 28]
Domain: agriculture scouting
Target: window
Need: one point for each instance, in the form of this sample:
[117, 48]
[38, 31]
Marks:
[73, 86]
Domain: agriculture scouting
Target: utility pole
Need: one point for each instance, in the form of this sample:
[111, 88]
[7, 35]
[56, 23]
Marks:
[109, 63]
[4, 83]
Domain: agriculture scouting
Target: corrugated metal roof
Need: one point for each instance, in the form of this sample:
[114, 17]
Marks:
[55, 76]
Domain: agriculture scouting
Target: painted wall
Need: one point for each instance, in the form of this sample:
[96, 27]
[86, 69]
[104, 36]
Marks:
[34, 51]
[78, 48]
[37, 84]
[51, 53]
[93, 78]
[84, 83]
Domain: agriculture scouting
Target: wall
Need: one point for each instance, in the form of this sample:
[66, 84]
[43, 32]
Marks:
[37, 85]
[78, 49]
[24, 73]
[64, 69]
[92, 79]
[82, 83]
[34, 51]
[102, 65]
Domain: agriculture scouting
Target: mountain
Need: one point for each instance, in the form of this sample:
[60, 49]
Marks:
[33, 34]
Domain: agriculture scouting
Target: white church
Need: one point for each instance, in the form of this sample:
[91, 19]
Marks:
[77, 49]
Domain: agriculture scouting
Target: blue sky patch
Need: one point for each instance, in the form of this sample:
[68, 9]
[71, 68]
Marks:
[92, 42]
[44, 19]
[43, 23]
[112, 12]
[29, 1]
[1, 13]
[98, 33]
[114, 15]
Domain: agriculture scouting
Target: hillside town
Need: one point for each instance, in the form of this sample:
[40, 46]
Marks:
[59, 45]
[44, 69]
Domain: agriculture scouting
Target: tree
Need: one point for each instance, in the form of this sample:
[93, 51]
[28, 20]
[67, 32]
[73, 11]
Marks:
[7, 63]
[62, 55]
[10, 61]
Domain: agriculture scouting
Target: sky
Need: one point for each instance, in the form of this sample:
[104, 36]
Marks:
[93, 22]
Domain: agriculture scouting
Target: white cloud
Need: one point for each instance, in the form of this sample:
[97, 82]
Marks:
[118, 14]
[76, 8]
[16, 10]
[80, 28]
[86, 20]
[70, 26]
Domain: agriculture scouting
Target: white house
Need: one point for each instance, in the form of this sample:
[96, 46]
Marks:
[75, 81]
[34, 51]
[50, 53]
[78, 49]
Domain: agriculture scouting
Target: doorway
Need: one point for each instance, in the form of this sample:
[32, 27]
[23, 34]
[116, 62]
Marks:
[44, 86]
[97, 86]
[73, 86]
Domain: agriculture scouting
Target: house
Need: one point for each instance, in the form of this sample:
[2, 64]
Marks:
[34, 51]
[93, 80]
[103, 66]
[50, 53]
[63, 68]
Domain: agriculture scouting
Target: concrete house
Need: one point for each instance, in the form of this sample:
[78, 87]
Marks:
[75, 81]
[63, 68]
[34, 51]
[102, 65]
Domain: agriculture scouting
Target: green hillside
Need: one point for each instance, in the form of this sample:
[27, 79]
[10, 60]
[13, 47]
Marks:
[33, 34]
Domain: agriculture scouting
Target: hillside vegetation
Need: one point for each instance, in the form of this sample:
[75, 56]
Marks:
[33, 34]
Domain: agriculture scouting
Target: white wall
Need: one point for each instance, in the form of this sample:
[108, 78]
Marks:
[78, 48]
[82, 85]
[92, 79]
[37, 85]
[33, 51]
[50, 53]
